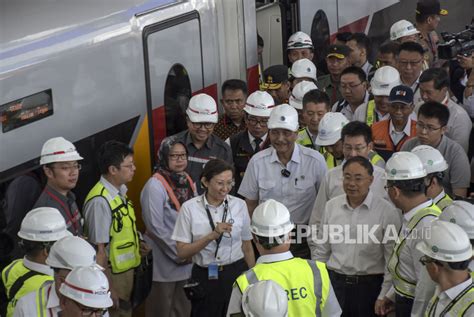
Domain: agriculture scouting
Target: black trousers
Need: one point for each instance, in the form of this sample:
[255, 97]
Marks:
[217, 291]
[356, 294]
[403, 306]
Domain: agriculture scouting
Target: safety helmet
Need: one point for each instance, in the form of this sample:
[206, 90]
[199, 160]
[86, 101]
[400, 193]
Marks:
[283, 116]
[260, 104]
[44, 224]
[446, 242]
[202, 108]
[433, 161]
[461, 213]
[298, 92]
[303, 68]
[87, 286]
[271, 219]
[330, 127]
[385, 78]
[265, 299]
[402, 28]
[58, 150]
[404, 166]
[299, 40]
[70, 252]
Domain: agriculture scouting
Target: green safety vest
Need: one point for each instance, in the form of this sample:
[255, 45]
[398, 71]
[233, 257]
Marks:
[370, 116]
[304, 139]
[124, 244]
[15, 271]
[306, 296]
[457, 307]
[403, 286]
[375, 158]
[444, 202]
[42, 296]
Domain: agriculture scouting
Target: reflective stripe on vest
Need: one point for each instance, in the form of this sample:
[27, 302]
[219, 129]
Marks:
[13, 272]
[374, 158]
[292, 275]
[456, 308]
[170, 191]
[444, 202]
[330, 160]
[42, 296]
[403, 286]
[370, 116]
[124, 245]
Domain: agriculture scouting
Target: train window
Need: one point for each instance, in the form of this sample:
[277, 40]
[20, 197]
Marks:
[177, 95]
[320, 35]
[26, 110]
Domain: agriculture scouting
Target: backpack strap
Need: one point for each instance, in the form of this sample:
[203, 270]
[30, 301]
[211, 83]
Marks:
[19, 283]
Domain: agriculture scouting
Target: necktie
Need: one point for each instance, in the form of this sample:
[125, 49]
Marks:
[257, 144]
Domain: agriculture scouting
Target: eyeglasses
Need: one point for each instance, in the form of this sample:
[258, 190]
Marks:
[206, 125]
[255, 121]
[350, 86]
[175, 157]
[234, 101]
[428, 128]
[357, 149]
[68, 168]
[89, 312]
[387, 187]
[222, 184]
[129, 166]
[426, 259]
[411, 63]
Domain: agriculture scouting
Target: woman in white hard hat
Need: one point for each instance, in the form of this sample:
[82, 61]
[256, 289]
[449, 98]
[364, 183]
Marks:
[214, 229]
[161, 200]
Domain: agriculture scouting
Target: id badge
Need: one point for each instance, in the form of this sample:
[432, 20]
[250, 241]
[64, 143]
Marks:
[213, 271]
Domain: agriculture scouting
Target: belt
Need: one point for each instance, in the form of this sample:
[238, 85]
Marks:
[355, 279]
[224, 267]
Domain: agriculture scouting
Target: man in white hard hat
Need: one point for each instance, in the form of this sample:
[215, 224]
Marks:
[435, 166]
[329, 137]
[65, 255]
[296, 98]
[202, 145]
[302, 70]
[85, 292]
[353, 88]
[245, 144]
[299, 46]
[357, 264]
[447, 254]
[404, 31]
[265, 299]
[306, 282]
[406, 189]
[287, 172]
[40, 228]
[59, 159]
[315, 105]
[385, 78]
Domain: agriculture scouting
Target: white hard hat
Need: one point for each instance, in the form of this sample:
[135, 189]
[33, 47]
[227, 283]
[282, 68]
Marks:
[385, 78]
[299, 40]
[303, 68]
[402, 28]
[87, 286]
[446, 242]
[260, 104]
[283, 116]
[433, 161]
[330, 127]
[404, 166]
[202, 108]
[58, 150]
[44, 224]
[271, 219]
[265, 299]
[298, 92]
[461, 213]
[70, 252]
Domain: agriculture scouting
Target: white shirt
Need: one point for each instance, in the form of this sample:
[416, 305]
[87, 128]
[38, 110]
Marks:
[366, 67]
[459, 123]
[417, 100]
[27, 306]
[263, 180]
[361, 114]
[193, 224]
[331, 308]
[364, 256]
[396, 136]
[447, 296]
[38, 267]
[347, 109]
[252, 140]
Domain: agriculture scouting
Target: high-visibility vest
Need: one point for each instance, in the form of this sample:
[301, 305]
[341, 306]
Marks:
[457, 307]
[404, 286]
[124, 244]
[42, 296]
[371, 115]
[383, 143]
[331, 162]
[374, 158]
[444, 202]
[11, 274]
[305, 139]
[170, 191]
[306, 296]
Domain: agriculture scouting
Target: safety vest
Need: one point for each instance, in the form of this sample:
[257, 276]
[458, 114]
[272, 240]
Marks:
[457, 307]
[170, 191]
[374, 158]
[124, 244]
[331, 162]
[444, 202]
[305, 139]
[402, 285]
[371, 115]
[11, 274]
[42, 296]
[383, 143]
[306, 296]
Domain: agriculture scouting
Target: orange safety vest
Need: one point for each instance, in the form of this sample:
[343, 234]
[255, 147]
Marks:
[170, 191]
[383, 143]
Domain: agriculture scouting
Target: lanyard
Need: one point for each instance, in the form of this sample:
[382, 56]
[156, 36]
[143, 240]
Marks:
[211, 222]
[70, 216]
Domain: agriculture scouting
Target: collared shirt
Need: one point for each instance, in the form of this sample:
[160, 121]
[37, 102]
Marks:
[65, 204]
[193, 224]
[160, 219]
[331, 307]
[362, 255]
[456, 176]
[38, 267]
[367, 68]
[98, 215]
[225, 127]
[439, 197]
[459, 123]
[197, 158]
[252, 140]
[263, 180]
[447, 296]
[417, 100]
[347, 109]
[395, 135]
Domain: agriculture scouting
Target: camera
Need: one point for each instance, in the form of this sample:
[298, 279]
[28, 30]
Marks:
[461, 43]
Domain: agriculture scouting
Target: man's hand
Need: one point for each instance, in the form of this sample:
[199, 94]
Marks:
[144, 248]
[384, 306]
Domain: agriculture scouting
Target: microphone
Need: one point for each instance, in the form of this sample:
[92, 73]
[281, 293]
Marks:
[285, 173]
